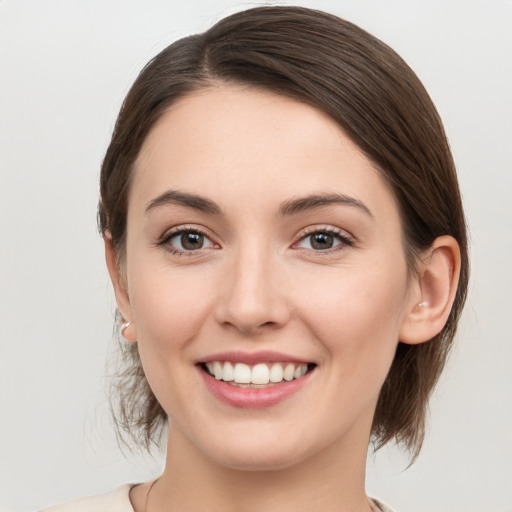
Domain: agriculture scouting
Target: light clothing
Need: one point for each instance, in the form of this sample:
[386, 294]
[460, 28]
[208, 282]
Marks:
[114, 501]
[119, 501]
[378, 506]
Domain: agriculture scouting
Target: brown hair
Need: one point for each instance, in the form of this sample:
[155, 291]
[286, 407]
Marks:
[381, 105]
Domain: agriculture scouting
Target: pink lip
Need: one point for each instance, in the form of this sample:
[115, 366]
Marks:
[252, 398]
[252, 358]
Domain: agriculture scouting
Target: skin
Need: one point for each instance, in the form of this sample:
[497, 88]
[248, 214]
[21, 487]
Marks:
[258, 284]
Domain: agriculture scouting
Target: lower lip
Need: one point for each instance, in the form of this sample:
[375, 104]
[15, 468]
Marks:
[252, 398]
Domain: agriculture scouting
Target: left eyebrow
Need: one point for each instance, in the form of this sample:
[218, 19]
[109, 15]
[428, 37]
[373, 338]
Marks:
[184, 199]
[311, 202]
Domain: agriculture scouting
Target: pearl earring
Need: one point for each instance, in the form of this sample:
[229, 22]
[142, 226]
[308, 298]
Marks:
[123, 328]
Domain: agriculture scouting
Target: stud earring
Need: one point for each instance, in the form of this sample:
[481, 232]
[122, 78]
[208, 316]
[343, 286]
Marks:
[422, 305]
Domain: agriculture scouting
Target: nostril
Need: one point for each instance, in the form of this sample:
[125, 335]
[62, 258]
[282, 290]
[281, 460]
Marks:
[250, 328]
[251, 302]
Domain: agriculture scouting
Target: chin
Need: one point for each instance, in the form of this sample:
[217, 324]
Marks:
[257, 462]
[257, 454]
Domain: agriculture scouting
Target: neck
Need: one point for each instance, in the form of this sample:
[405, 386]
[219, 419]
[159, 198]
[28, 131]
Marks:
[327, 481]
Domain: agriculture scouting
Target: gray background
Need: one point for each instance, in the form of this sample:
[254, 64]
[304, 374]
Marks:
[65, 67]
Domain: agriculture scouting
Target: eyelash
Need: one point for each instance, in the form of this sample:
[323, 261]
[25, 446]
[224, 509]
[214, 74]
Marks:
[341, 236]
[169, 235]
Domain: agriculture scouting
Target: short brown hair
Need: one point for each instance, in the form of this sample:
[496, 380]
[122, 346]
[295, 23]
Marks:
[335, 66]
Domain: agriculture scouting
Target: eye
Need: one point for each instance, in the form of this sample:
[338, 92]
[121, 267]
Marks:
[186, 240]
[323, 240]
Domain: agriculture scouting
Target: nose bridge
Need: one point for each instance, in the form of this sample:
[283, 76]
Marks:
[251, 296]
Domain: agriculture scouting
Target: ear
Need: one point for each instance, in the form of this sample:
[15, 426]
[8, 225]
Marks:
[433, 291]
[120, 288]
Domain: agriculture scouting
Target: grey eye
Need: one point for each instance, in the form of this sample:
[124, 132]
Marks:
[320, 241]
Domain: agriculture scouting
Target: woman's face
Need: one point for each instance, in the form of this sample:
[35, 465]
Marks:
[262, 244]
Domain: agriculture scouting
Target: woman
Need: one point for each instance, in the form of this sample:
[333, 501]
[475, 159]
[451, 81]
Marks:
[285, 236]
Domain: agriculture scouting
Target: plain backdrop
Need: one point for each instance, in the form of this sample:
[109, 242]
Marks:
[65, 67]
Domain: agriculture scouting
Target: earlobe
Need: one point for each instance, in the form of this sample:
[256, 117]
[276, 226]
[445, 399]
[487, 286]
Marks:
[120, 289]
[437, 279]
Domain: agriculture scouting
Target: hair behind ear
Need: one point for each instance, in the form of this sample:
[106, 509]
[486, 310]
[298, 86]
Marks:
[423, 348]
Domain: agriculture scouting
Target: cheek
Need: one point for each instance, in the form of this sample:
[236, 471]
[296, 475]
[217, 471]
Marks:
[169, 310]
[357, 314]
[168, 306]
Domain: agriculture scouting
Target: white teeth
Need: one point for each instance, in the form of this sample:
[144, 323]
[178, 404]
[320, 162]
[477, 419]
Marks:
[289, 371]
[261, 373]
[300, 371]
[242, 373]
[229, 372]
[276, 373]
[217, 370]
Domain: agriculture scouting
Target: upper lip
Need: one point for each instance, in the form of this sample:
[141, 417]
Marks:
[251, 358]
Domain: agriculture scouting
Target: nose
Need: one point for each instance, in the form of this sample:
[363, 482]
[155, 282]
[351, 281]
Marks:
[253, 293]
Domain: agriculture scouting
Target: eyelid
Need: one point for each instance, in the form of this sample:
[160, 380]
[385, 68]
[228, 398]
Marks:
[344, 236]
[185, 228]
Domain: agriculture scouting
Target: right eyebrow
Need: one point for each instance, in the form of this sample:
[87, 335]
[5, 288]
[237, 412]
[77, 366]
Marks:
[311, 202]
[179, 198]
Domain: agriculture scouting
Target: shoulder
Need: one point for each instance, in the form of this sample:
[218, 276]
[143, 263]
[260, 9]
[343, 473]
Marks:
[114, 501]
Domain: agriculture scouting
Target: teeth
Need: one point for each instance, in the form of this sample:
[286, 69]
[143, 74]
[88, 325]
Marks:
[218, 370]
[242, 373]
[288, 372]
[229, 372]
[261, 373]
[276, 373]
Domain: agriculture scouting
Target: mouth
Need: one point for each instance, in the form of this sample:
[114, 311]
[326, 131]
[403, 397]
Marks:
[255, 380]
[259, 375]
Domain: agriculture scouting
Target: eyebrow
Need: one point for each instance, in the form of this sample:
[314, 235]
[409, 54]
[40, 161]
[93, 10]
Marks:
[287, 208]
[179, 198]
[311, 202]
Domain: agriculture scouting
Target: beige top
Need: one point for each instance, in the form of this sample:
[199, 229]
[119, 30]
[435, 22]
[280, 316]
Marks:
[119, 501]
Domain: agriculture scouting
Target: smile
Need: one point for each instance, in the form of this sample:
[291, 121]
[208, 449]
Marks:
[254, 380]
[261, 374]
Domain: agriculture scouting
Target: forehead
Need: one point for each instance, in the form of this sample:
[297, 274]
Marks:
[251, 144]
